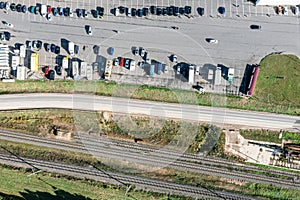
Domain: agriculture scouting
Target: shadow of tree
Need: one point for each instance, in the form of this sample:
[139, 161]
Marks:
[59, 195]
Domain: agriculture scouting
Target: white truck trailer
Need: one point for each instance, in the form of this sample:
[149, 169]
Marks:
[71, 48]
[191, 74]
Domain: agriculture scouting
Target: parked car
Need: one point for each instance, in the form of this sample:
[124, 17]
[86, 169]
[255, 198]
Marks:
[158, 11]
[164, 11]
[89, 30]
[47, 47]
[39, 44]
[49, 9]
[57, 50]
[133, 12]
[13, 7]
[173, 58]
[7, 5]
[121, 62]
[19, 8]
[111, 51]
[128, 12]
[100, 10]
[2, 5]
[95, 13]
[176, 11]
[200, 11]
[60, 11]
[153, 10]
[85, 13]
[212, 40]
[58, 70]
[166, 69]
[116, 12]
[188, 10]
[37, 10]
[127, 62]
[8, 24]
[54, 11]
[79, 12]
[34, 44]
[24, 9]
[116, 62]
[141, 64]
[253, 26]
[29, 44]
[49, 17]
[51, 75]
[170, 10]
[135, 51]
[147, 57]
[142, 52]
[221, 10]
[181, 10]
[31, 9]
[178, 69]
[145, 11]
[296, 10]
[140, 12]
[76, 49]
[122, 9]
[53, 48]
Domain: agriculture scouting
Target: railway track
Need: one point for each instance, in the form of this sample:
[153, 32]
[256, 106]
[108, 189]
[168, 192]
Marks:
[119, 179]
[109, 149]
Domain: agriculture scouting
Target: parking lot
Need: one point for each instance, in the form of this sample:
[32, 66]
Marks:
[238, 45]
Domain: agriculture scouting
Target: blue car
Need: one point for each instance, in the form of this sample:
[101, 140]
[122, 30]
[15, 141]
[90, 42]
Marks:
[60, 11]
[24, 9]
[53, 48]
[111, 51]
[54, 11]
[221, 10]
[2, 5]
[140, 12]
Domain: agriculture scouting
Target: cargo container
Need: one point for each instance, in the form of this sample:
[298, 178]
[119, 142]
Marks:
[65, 62]
[253, 81]
[71, 48]
[218, 76]
[191, 74]
[152, 68]
[159, 68]
[34, 62]
[75, 69]
[22, 51]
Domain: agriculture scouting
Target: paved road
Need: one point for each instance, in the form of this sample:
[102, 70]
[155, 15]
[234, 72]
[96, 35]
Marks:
[238, 45]
[178, 111]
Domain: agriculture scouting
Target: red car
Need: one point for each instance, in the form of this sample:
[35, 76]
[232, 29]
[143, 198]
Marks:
[121, 62]
[46, 70]
[49, 9]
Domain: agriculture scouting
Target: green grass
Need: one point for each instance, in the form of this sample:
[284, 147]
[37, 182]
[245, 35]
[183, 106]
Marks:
[278, 80]
[272, 94]
[261, 135]
[16, 184]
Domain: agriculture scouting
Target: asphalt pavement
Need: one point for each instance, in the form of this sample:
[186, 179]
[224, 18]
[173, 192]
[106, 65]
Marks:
[213, 115]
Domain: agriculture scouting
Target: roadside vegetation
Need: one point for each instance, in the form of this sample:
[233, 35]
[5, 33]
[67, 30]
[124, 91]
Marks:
[270, 136]
[48, 186]
[277, 89]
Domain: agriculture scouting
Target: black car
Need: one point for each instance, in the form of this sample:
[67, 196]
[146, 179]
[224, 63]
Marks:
[47, 47]
[145, 11]
[95, 13]
[39, 44]
[66, 12]
[133, 12]
[164, 11]
[158, 11]
[79, 12]
[122, 9]
[58, 70]
[255, 26]
[170, 10]
[13, 6]
[140, 12]
[76, 49]
[181, 10]
[37, 10]
[188, 10]
[57, 50]
[24, 9]
[100, 11]
[53, 48]
[54, 11]
[200, 11]
[153, 10]
[51, 75]
[19, 7]
[60, 11]
[176, 11]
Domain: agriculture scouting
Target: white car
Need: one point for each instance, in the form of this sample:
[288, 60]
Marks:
[211, 40]
[116, 11]
[8, 24]
[49, 17]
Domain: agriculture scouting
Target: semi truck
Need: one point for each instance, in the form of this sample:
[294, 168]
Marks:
[191, 74]
[75, 69]
[218, 76]
[159, 68]
[34, 62]
[65, 62]
[108, 68]
[71, 48]
[152, 68]
[22, 51]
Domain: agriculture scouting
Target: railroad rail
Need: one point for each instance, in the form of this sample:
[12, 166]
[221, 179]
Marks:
[119, 179]
[197, 164]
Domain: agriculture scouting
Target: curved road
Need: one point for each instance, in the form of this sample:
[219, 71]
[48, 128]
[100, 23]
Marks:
[122, 105]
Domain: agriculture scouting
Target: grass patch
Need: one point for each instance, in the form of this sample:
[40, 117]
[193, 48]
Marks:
[274, 167]
[273, 93]
[261, 135]
[16, 184]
